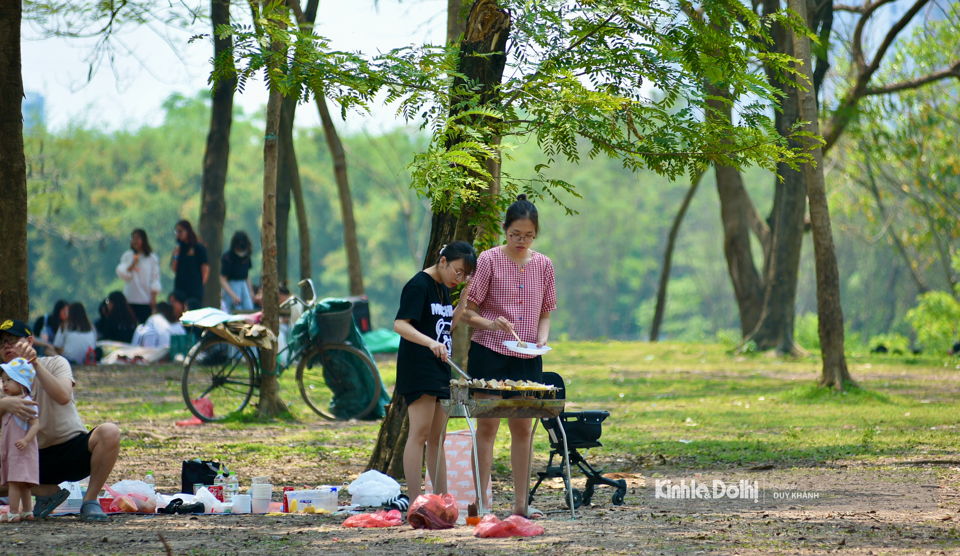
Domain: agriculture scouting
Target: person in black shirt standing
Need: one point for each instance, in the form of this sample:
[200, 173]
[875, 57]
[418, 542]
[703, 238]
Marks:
[424, 321]
[235, 275]
[189, 262]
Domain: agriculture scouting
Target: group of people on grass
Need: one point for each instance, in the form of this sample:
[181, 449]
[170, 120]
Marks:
[507, 290]
[134, 316]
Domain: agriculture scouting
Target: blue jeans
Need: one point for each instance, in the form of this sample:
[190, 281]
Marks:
[240, 288]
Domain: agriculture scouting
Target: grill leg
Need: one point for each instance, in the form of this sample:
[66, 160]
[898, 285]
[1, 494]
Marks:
[566, 460]
[476, 463]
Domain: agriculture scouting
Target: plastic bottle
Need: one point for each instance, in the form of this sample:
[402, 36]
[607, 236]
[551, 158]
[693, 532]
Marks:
[232, 487]
[150, 480]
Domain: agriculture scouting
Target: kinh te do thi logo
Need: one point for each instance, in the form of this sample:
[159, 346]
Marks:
[700, 490]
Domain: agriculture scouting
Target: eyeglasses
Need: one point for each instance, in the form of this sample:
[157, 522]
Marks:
[521, 239]
[177, 231]
[9, 340]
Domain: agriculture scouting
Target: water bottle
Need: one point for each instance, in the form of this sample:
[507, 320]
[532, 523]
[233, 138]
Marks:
[232, 487]
[150, 481]
[221, 482]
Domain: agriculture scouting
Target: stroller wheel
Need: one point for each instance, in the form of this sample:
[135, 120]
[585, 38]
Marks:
[588, 495]
[577, 499]
[621, 492]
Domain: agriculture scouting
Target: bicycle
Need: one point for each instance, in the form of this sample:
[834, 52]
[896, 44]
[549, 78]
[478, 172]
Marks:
[227, 374]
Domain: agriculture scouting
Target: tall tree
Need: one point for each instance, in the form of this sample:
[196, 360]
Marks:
[213, 204]
[668, 258]
[482, 59]
[768, 319]
[829, 312]
[270, 29]
[14, 292]
[287, 163]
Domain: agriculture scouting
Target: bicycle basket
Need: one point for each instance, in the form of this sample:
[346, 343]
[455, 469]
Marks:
[335, 326]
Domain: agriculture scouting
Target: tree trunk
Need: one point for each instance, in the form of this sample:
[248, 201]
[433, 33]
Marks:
[286, 173]
[270, 403]
[668, 258]
[354, 266]
[482, 58]
[829, 311]
[304, 229]
[14, 290]
[213, 207]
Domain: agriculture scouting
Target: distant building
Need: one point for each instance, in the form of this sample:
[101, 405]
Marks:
[32, 110]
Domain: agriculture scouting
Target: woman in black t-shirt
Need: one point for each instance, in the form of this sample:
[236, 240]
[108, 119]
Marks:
[189, 262]
[237, 292]
[424, 322]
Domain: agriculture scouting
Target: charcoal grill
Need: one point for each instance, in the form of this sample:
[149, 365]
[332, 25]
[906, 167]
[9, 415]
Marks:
[525, 404]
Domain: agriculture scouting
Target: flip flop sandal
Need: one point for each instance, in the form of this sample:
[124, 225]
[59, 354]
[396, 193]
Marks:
[26, 516]
[5, 517]
[533, 513]
[91, 511]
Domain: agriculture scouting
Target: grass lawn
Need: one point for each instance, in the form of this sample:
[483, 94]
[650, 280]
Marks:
[692, 405]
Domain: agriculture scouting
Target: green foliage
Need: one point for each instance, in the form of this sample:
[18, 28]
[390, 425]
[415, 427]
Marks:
[624, 80]
[805, 331]
[936, 319]
[896, 344]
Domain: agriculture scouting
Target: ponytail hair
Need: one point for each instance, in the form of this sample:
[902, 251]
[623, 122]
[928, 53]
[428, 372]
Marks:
[522, 209]
[460, 251]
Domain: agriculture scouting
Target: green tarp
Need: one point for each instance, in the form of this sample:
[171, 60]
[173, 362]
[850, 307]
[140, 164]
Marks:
[353, 377]
[382, 340]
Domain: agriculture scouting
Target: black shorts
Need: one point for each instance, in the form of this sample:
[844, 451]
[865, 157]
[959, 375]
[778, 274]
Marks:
[489, 365]
[69, 461]
[414, 396]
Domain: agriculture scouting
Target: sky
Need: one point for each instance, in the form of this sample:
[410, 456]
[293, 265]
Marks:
[129, 93]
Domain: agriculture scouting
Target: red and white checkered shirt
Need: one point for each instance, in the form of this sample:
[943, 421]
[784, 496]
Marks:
[501, 288]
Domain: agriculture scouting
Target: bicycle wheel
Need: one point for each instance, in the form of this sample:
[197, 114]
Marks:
[221, 372]
[318, 382]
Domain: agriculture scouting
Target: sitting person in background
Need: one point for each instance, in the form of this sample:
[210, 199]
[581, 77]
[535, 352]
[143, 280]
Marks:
[235, 275]
[68, 452]
[159, 327]
[140, 269]
[120, 321]
[178, 303]
[47, 326]
[77, 341]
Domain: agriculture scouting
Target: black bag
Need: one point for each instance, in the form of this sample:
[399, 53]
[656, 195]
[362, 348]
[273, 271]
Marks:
[199, 472]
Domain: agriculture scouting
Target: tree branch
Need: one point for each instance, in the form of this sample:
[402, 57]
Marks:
[914, 83]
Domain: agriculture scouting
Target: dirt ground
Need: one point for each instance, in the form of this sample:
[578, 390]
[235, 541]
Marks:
[897, 507]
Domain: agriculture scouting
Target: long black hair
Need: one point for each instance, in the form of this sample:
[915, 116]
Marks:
[121, 314]
[77, 319]
[191, 235]
[522, 209]
[145, 242]
[241, 242]
[460, 251]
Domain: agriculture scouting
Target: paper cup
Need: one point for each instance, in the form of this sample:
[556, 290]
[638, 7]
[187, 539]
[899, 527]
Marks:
[241, 503]
[260, 505]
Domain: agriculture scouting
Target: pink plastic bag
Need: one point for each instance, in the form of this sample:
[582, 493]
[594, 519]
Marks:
[514, 526]
[433, 511]
[379, 519]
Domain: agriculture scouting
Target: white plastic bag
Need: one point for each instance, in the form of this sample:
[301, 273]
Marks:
[373, 488]
[210, 502]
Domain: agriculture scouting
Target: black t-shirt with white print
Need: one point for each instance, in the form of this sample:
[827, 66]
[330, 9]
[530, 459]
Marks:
[426, 303]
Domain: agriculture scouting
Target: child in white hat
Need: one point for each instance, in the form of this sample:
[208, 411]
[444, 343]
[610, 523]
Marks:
[19, 455]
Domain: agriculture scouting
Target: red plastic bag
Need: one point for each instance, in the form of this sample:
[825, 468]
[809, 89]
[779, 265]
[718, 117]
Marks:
[379, 519]
[433, 511]
[514, 526]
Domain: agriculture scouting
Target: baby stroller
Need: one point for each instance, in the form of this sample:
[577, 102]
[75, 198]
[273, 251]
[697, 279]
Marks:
[583, 430]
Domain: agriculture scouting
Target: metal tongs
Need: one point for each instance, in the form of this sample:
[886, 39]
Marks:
[458, 369]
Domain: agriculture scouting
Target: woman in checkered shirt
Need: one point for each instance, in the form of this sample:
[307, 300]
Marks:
[512, 291]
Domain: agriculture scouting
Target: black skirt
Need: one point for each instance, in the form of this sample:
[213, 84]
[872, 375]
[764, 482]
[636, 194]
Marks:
[489, 365]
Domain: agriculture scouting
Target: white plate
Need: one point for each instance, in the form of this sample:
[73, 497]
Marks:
[512, 346]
